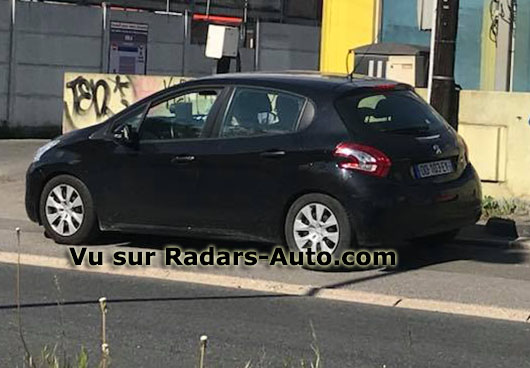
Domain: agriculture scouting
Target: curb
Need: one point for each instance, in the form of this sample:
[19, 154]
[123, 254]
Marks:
[295, 290]
[522, 243]
[523, 230]
[496, 233]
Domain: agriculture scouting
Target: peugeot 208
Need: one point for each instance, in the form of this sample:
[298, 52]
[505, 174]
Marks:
[313, 161]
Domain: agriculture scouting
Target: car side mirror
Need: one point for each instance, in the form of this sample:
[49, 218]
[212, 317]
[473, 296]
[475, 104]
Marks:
[126, 136]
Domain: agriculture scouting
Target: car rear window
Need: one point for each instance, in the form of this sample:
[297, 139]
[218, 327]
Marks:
[392, 111]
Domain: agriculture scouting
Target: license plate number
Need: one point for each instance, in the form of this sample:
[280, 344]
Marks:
[433, 168]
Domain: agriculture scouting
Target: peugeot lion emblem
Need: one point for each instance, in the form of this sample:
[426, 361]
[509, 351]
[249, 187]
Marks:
[436, 148]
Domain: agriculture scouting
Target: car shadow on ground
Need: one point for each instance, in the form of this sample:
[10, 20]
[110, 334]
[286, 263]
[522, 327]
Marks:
[416, 256]
[411, 256]
[158, 242]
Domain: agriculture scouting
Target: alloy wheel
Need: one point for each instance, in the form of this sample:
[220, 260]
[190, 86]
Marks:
[316, 228]
[64, 210]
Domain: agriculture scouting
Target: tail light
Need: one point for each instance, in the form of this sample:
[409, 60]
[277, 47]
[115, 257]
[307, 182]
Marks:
[384, 87]
[363, 158]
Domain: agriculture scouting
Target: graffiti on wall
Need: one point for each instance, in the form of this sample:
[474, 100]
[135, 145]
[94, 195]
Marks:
[91, 98]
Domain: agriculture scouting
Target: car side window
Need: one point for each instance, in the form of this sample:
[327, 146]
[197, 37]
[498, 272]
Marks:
[255, 112]
[181, 117]
[132, 118]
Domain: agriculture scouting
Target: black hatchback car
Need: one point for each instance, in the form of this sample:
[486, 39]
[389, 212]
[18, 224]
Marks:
[314, 161]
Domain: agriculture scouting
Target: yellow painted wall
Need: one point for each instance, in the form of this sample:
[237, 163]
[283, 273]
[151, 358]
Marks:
[496, 128]
[346, 24]
[509, 113]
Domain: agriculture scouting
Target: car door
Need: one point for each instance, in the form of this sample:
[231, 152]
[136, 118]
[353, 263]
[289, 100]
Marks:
[156, 181]
[251, 167]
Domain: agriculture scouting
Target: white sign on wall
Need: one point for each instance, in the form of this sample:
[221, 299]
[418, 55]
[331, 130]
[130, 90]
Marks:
[128, 48]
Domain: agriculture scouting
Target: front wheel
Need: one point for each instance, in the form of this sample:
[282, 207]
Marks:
[67, 211]
[320, 223]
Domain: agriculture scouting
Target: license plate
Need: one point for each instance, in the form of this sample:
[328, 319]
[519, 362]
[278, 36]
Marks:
[433, 168]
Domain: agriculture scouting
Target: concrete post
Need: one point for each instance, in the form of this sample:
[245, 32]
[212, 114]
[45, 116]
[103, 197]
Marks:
[105, 38]
[11, 74]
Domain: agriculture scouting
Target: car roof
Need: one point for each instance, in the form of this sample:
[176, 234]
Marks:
[303, 82]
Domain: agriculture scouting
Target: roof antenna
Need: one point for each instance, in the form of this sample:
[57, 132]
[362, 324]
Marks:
[350, 74]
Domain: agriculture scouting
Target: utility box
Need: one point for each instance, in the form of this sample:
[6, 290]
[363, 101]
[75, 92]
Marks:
[222, 41]
[400, 62]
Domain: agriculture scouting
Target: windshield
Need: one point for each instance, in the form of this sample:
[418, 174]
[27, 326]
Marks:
[393, 111]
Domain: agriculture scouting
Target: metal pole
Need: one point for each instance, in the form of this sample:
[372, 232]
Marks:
[185, 42]
[208, 9]
[431, 55]
[104, 46]
[377, 20]
[257, 47]
[167, 6]
[245, 14]
[104, 344]
[513, 26]
[202, 350]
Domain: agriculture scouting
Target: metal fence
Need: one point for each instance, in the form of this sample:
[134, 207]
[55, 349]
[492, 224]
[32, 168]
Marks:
[40, 41]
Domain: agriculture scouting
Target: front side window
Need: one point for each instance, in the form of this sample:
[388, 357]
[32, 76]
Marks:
[133, 119]
[181, 117]
[255, 112]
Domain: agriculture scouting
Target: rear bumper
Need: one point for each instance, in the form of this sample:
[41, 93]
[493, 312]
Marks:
[397, 212]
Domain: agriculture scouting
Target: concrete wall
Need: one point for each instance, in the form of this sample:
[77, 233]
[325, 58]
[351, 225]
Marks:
[288, 47]
[50, 39]
[42, 34]
[165, 42]
[496, 128]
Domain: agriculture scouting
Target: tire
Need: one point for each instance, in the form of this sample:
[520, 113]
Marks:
[437, 239]
[298, 211]
[67, 211]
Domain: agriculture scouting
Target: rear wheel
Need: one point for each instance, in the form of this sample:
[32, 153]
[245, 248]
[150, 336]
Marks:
[320, 223]
[67, 211]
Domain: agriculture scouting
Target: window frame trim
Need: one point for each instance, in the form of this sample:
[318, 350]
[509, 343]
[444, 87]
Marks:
[206, 134]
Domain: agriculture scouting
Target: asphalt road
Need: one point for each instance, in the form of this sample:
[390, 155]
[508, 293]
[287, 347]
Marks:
[460, 273]
[158, 324]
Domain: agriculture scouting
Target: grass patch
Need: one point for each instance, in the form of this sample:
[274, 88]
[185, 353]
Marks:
[504, 208]
[49, 358]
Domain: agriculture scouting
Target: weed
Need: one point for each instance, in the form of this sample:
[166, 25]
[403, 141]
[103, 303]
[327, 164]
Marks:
[503, 208]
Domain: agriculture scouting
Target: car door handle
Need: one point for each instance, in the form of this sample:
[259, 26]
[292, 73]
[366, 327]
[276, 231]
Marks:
[182, 159]
[273, 154]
